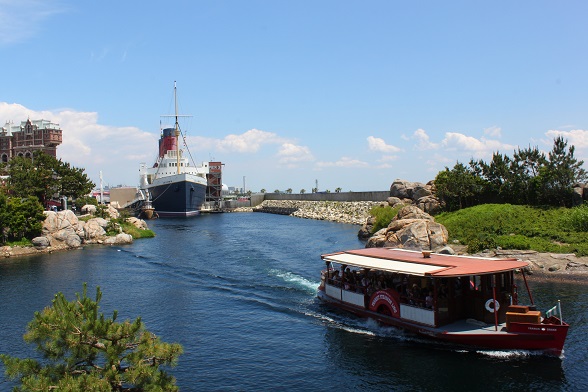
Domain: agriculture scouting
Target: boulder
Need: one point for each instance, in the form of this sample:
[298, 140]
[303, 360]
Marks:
[119, 239]
[89, 209]
[411, 228]
[138, 223]
[40, 242]
[112, 212]
[412, 212]
[429, 204]
[402, 189]
[55, 221]
[94, 228]
[393, 201]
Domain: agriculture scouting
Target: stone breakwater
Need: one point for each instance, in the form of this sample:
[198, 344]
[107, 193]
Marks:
[352, 212]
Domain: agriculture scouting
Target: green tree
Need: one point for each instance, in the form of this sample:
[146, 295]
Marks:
[338, 190]
[85, 351]
[262, 190]
[457, 188]
[289, 190]
[303, 191]
[20, 218]
[44, 176]
[557, 178]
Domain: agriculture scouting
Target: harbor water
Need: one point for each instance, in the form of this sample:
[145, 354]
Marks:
[238, 291]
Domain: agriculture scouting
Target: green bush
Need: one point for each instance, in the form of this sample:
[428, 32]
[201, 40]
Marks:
[383, 216]
[576, 219]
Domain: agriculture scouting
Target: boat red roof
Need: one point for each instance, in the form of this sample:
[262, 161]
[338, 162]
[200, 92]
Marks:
[415, 263]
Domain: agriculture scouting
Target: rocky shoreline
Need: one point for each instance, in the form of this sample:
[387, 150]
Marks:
[64, 230]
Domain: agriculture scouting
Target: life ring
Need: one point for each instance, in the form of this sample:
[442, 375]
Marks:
[496, 305]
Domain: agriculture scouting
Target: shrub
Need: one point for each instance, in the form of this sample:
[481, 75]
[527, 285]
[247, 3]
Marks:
[383, 216]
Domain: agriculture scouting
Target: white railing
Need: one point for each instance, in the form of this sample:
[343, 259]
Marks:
[350, 297]
[419, 315]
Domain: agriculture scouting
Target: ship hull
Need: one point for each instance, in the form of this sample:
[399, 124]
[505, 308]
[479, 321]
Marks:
[179, 195]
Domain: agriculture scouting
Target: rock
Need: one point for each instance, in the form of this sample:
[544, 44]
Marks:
[138, 223]
[446, 250]
[40, 242]
[94, 228]
[112, 212]
[412, 212]
[119, 239]
[55, 221]
[393, 201]
[429, 204]
[89, 209]
[402, 189]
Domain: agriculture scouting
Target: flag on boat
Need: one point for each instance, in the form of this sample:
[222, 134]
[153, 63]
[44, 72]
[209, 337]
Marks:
[552, 312]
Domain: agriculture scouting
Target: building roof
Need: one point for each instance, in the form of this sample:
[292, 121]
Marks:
[415, 263]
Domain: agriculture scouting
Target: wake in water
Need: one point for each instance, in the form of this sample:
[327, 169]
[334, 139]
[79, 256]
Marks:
[297, 280]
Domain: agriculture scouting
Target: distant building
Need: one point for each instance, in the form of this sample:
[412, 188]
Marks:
[22, 140]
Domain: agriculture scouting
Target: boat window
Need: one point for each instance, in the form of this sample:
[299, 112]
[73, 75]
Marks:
[475, 282]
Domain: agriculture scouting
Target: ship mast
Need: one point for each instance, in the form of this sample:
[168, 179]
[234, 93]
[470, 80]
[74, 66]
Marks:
[177, 127]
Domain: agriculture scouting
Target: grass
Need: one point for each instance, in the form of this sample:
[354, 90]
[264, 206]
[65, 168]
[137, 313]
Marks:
[135, 232]
[556, 230]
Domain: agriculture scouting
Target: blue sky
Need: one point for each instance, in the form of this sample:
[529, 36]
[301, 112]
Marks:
[354, 94]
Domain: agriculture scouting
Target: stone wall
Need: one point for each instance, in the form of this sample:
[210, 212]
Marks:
[355, 212]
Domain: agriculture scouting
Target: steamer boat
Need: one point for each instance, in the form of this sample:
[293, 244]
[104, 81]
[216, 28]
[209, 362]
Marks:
[173, 186]
[471, 302]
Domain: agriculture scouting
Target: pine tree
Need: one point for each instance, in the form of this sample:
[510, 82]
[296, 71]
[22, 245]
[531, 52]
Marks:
[83, 350]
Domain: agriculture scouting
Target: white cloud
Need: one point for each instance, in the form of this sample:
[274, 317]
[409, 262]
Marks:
[117, 151]
[378, 144]
[343, 162]
[21, 19]
[247, 142]
[576, 137]
[291, 154]
[423, 140]
[493, 132]
[389, 158]
[457, 141]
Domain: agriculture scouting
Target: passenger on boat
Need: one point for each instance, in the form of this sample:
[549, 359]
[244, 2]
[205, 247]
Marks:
[429, 300]
[336, 279]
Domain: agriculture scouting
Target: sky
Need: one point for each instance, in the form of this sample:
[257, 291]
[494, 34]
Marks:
[291, 94]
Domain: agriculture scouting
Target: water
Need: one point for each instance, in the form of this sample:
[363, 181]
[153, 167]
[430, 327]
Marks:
[238, 291]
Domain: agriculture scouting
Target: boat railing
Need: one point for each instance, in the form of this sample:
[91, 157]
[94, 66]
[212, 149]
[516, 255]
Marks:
[340, 294]
[417, 314]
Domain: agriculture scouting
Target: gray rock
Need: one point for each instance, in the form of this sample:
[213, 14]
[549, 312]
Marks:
[40, 242]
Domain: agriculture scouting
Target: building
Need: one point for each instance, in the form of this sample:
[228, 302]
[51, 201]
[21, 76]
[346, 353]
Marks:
[22, 140]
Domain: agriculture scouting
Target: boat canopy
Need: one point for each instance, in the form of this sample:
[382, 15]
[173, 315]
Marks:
[423, 263]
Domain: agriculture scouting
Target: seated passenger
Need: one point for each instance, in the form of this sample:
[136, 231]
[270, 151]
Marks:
[429, 300]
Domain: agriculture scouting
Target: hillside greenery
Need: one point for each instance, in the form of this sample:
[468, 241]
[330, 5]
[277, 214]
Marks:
[528, 177]
[544, 229]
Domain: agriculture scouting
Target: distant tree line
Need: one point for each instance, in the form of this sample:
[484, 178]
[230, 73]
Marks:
[29, 184]
[529, 177]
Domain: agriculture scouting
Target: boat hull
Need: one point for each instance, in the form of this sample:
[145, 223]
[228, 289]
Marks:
[178, 196]
[547, 338]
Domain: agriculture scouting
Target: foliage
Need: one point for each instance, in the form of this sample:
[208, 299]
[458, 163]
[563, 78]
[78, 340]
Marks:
[20, 218]
[84, 200]
[576, 219]
[529, 177]
[102, 211]
[44, 176]
[83, 350]
[383, 216]
[134, 231]
[548, 229]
